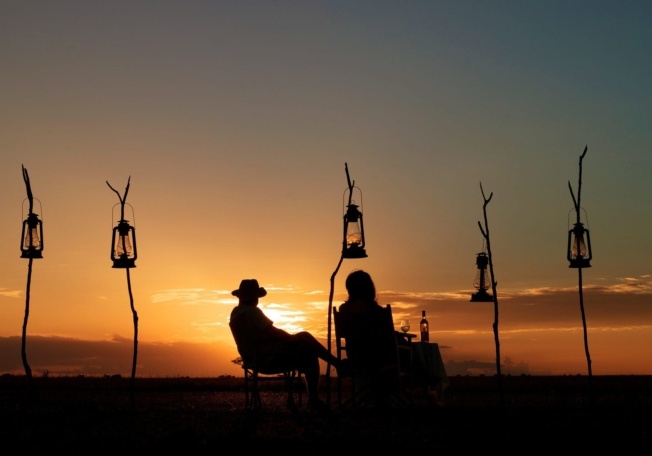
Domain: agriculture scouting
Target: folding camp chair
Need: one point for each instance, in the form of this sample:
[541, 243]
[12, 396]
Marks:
[257, 368]
[371, 357]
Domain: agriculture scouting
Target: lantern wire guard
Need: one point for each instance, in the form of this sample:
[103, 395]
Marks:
[31, 244]
[353, 241]
[578, 250]
[482, 280]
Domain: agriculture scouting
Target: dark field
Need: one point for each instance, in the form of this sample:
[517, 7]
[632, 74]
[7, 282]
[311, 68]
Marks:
[559, 415]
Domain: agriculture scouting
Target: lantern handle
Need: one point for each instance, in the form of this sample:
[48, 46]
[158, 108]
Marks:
[123, 198]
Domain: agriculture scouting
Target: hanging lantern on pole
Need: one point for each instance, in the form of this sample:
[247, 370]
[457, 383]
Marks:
[31, 239]
[579, 247]
[481, 281]
[123, 243]
[353, 242]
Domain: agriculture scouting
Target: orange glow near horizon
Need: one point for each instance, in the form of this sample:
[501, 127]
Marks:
[537, 344]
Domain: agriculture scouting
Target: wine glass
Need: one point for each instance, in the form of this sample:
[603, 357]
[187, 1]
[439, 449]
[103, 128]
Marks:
[405, 326]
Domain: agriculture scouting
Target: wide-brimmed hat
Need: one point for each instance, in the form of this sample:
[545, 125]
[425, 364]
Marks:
[249, 289]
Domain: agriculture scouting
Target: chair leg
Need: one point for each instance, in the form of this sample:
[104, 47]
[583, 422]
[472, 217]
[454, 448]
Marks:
[352, 388]
[301, 386]
[339, 389]
[297, 384]
[252, 392]
[255, 393]
[246, 387]
[289, 382]
[252, 395]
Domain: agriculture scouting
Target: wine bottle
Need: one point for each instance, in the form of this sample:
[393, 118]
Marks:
[425, 328]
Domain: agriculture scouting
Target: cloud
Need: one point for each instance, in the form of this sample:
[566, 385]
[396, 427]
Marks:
[193, 296]
[11, 293]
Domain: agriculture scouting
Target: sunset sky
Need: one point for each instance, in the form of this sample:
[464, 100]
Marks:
[234, 121]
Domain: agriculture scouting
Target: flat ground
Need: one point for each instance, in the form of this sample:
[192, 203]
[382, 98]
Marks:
[529, 414]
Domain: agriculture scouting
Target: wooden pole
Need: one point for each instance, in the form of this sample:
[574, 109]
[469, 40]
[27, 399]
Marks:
[494, 284]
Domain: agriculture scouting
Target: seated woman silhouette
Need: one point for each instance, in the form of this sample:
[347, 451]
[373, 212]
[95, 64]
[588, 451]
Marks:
[371, 339]
[273, 347]
[375, 344]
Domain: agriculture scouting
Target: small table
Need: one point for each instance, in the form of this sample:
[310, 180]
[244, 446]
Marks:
[427, 358]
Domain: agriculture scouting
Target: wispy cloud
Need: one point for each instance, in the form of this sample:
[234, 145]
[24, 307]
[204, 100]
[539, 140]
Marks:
[193, 296]
[11, 293]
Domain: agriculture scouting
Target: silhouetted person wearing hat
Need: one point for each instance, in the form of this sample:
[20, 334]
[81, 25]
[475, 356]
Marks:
[276, 346]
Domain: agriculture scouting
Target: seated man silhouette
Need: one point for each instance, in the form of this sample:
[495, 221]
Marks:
[272, 347]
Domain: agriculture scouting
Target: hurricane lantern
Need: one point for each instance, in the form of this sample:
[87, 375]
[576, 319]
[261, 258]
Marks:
[481, 280]
[123, 245]
[579, 247]
[353, 242]
[31, 239]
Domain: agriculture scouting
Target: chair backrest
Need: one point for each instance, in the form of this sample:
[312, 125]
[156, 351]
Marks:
[368, 341]
[245, 349]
